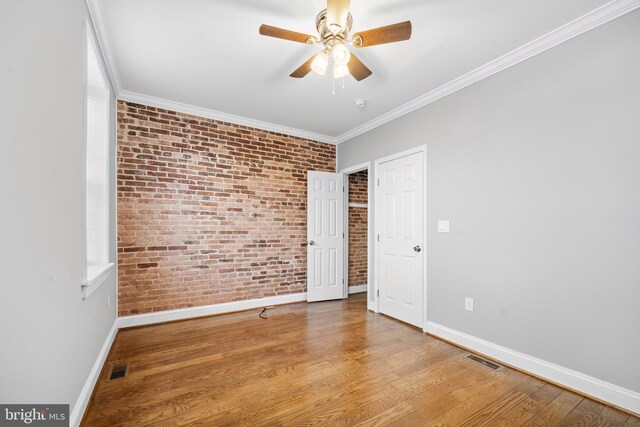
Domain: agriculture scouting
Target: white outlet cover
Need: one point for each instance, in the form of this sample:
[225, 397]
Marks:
[468, 304]
[443, 226]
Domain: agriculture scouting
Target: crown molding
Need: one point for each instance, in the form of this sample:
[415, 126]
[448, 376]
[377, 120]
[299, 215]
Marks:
[152, 101]
[589, 21]
[586, 22]
[97, 23]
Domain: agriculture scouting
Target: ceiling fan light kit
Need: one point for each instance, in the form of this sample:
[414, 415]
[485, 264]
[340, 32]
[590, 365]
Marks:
[320, 62]
[333, 25]
[341, 54]
[340, 70]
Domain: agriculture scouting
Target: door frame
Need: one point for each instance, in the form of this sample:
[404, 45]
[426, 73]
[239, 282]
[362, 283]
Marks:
[371, 305]
[376, 273]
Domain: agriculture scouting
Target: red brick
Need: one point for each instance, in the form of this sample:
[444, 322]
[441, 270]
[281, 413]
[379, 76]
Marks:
[209, 212]
[358, 193]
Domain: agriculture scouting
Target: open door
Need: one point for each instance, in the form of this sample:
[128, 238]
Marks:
[325, 234]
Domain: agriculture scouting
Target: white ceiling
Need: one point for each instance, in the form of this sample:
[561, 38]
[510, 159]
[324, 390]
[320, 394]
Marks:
[208, 53]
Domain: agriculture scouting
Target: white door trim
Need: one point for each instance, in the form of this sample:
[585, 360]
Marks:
[371, 305]
[376, 273]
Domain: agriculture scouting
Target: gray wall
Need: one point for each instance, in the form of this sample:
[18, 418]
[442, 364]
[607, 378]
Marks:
[538, 169]
[49, 336]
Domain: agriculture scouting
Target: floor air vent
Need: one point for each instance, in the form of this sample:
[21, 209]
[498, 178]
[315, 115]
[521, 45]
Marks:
[118, 370]
[483, 361]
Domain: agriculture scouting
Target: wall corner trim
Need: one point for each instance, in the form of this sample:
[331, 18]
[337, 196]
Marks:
[138, 98]
[78, 410]
[585, 384]
[593, 19]
[207, 310]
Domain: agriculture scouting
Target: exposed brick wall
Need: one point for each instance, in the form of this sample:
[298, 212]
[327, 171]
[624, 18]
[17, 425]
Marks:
[357, 246]
[358, 192]
[358, 187]
[209, 212]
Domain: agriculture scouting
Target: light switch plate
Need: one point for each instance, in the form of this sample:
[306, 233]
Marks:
[443, 226]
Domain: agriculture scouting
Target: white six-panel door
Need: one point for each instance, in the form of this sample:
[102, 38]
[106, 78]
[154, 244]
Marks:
[399, 228]
[325, 234]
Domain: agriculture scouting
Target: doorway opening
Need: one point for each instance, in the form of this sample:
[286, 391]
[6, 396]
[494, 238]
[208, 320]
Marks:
[357, 226]
[358, 233]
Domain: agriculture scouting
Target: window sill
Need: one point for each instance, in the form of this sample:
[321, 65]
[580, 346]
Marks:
[89, 286]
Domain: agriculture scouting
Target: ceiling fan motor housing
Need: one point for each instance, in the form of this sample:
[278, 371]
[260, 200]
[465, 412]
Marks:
[328, 37]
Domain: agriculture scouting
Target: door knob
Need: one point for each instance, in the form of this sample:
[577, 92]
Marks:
[417, 248]
[311, 243]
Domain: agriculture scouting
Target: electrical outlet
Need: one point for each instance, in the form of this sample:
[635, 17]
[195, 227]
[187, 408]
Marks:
[443, 226]
[468, 304]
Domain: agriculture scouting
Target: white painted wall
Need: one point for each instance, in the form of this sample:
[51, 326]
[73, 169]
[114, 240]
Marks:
[49, 336]
[538, 170]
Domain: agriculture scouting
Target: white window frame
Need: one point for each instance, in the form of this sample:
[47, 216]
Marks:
[90, 284]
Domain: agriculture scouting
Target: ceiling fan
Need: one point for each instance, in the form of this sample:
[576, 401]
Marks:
[333, 25]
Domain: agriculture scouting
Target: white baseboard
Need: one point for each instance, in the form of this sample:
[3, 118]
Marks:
[607, 392]
[83, 400]
[357, 289]
[207, 310]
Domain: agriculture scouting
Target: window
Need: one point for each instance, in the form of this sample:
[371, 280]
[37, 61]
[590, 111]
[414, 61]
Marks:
[97, 145]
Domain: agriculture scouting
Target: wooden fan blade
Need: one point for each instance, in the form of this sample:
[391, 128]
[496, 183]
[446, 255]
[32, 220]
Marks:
[281, 33]
[357, 69]
[337, 11]
[303, 70]
[389, 34]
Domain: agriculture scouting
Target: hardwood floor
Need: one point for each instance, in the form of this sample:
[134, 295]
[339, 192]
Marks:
[329, 363]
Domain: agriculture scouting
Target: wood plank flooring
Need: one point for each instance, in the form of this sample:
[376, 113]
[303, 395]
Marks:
[329, 363]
